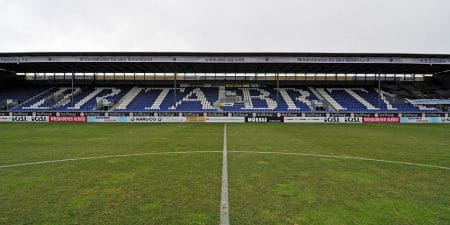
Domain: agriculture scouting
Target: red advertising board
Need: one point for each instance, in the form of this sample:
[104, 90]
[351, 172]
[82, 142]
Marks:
[80, 119]
[383, 119]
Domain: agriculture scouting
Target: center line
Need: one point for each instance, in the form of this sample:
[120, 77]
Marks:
[224, 208]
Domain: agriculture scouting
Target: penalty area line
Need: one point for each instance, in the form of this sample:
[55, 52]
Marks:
[104, 157]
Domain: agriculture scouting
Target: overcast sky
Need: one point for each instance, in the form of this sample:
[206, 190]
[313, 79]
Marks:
[409, 26]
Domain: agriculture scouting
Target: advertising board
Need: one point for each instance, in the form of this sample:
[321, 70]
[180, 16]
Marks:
[256, 119]
[384, 119]
[420, 120]
[195, 119]
[303, 119]
[342, 120]
[351, 119]
[323, 119]
[331, 119]
[68, 119]
[264, 119]
[5, 118]
[106, 119]
[30, 119]
[273, 119]
[155, 119]
[225, 119]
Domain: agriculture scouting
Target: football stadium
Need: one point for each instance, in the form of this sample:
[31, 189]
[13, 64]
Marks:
[224, 138]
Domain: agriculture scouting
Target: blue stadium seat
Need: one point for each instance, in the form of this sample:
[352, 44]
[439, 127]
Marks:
[205, 99]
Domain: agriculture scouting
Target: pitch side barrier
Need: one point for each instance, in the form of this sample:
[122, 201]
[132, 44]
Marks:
[323, 119]
[382, 119]
[167, 119]
[201, 119]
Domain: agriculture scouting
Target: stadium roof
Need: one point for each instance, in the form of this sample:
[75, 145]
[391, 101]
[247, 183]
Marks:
[213, 62]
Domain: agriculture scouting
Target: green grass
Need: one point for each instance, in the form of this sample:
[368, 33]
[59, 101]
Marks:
[286, 189]
[185, 188]
[152, 189]
[36, 142]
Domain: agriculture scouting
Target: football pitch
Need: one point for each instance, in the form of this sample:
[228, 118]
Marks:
[172, 173]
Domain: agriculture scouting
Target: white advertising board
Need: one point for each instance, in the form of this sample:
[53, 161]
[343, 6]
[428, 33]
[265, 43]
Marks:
[225, 119]
[155, 119]
[5, 118]
[303, 119]
[30, 119]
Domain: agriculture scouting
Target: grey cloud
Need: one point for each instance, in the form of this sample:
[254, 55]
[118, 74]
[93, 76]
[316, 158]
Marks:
[414, 26]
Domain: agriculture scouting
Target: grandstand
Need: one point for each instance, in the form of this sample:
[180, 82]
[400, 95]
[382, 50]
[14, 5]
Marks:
[225, 84]
[208, 99]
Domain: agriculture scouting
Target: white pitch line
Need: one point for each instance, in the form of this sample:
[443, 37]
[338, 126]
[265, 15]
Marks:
[104, 157]
[224, 206]
[276, 153]
[345, 157]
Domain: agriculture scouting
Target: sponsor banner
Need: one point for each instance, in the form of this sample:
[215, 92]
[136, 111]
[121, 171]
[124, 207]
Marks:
[351, 119]
[331, 119]
[342, 120]
[275, 119]
[264, 119]
[384, 119]
[153, 119]
[225, 119]
[106, 119]
[71, 119]
[195, 119]
[323, 119]
[303, 119]
[445, 119]
[170, 58]
[31, 119]
[256, 119]
[5, 118]
[420, 120]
